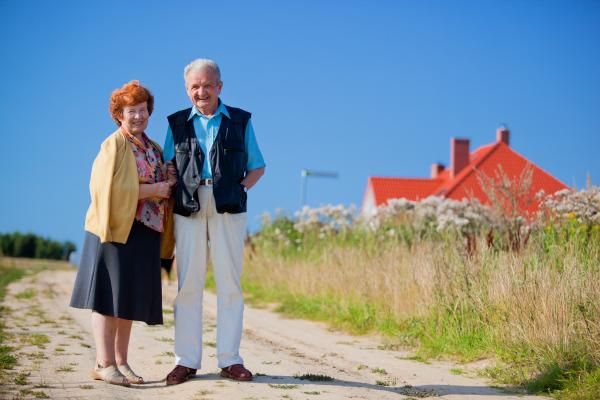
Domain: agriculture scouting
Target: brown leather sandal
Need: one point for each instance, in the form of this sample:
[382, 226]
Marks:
[180, 374]
[237, 372]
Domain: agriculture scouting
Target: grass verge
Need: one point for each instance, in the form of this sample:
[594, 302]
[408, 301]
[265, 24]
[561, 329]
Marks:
[7, 276]
[11, 270]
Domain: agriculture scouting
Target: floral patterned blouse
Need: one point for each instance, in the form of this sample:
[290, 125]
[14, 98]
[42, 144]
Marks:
[151, 169]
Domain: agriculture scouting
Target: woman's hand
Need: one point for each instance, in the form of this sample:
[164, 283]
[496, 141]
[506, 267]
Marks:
[161, 190]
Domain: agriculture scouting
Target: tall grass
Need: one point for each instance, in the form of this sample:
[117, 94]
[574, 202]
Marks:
[536, 310]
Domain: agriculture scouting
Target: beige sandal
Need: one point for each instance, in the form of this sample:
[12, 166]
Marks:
[131, 376]
[109, 374]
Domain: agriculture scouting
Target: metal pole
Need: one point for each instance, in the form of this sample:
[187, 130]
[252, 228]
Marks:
[304, 174]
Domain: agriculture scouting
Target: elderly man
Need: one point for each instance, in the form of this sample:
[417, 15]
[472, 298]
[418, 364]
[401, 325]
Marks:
[217, 158]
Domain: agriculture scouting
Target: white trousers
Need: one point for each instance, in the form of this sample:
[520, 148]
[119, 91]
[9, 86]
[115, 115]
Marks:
[192, 235]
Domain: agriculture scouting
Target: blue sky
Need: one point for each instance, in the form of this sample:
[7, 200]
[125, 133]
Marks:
[358, 87]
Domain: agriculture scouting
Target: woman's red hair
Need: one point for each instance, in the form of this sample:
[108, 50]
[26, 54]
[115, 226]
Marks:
[129, 94]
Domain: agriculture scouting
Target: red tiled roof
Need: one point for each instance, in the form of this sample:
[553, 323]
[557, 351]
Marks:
[485, 160]
[513, 164]
[409, 188]
[476, 158]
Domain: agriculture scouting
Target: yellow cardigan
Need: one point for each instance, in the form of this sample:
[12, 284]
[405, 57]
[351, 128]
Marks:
[114, 188]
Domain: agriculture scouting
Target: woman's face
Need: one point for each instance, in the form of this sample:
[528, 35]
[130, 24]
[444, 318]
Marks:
[135, 118]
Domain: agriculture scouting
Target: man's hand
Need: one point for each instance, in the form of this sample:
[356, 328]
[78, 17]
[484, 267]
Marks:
[171, 173]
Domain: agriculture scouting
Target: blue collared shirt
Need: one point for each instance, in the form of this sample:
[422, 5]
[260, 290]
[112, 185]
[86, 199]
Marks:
[206, 129]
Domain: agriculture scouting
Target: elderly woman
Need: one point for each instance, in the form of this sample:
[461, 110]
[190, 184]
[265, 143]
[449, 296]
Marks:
[119, 276]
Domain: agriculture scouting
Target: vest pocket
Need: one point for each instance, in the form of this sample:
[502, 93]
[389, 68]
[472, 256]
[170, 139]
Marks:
[233, 150]
[182, 161]
[233, 161]
[182, 157]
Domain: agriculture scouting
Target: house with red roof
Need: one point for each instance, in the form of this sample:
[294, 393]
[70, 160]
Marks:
[461, 179]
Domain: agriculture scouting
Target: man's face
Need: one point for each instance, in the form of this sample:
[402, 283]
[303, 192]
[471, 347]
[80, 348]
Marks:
[203, 88]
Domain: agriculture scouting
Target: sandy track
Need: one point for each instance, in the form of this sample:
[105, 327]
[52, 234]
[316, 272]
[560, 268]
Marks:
[276, 349]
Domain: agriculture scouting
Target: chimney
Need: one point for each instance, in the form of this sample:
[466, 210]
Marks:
[503, 134]
[459, 155]
[436, 168]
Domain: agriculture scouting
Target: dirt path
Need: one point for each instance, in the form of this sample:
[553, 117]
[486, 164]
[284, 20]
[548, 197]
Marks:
[55, 351]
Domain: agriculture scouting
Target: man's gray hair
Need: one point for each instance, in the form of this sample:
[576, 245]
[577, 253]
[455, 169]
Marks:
[199, 64]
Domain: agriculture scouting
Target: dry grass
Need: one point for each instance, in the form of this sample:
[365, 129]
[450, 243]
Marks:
[546, 308]
[528, 299]
[537, 307]
[31, 263]
[392, 280]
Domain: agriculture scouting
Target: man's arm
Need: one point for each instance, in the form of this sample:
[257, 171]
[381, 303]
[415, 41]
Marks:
[256, 163]
[169, 147]
[252, 177]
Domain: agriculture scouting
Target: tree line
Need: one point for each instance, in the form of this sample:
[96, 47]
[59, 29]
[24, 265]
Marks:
[29, 245]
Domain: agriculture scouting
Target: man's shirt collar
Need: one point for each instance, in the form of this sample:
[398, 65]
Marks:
[221, 109]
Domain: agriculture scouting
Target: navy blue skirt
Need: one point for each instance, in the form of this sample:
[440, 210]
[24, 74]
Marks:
[121, 280]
